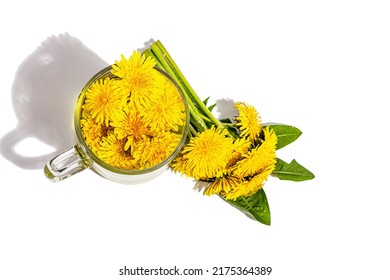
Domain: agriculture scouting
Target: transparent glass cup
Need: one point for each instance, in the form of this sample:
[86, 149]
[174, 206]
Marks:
[81, 157]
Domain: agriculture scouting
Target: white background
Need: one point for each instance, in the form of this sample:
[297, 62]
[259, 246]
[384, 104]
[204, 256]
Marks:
[322, 66]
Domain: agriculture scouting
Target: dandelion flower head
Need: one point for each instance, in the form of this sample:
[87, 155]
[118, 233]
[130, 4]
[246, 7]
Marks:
[103, 102]
[113, 153]
[164, 111]
[138, 76]
[152, 151]
[206, 155]
[249, 186]
[259, 158]
[248, 121]
[131, 127]
[93, 132]
[222, 185]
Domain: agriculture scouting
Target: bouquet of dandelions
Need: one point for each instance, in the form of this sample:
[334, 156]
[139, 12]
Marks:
[233, 158]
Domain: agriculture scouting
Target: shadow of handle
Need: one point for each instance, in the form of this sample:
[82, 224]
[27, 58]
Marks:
[7, 148]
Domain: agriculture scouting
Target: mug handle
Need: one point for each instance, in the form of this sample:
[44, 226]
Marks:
[66, 164]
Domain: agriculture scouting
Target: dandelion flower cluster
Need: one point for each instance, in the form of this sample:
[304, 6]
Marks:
[134, 118]
[234, 166]
[233, 157]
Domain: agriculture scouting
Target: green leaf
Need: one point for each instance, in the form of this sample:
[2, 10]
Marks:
[286, 134]
[212, 107]
[291, 171]
[206, 100]
[227, 120]
[255, 206]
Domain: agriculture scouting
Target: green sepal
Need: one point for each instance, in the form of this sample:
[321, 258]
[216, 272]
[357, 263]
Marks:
[286, 134]
[255, 206]
[292, 171]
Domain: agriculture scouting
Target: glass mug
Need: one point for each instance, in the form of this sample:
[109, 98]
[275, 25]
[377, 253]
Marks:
[81, 157]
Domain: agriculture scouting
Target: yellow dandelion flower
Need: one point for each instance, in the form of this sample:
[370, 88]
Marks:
[103, 102]
[131, 127]
[222, 185]
[206, 155]
[259, 158]
[152, 151]
[251, 186]
[138, 76]
[113, 153]
[248, 121]
[165, 110]
[178, 163]
[92, 131]
[241, 145]
[240, 148]
[255, 167]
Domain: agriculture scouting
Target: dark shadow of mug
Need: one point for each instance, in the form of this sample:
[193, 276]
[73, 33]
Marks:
[44, 94]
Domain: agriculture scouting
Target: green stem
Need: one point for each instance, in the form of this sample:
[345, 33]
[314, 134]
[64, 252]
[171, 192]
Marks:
[148, 52]
[196, 118]
[165, 59]
[193, 131]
